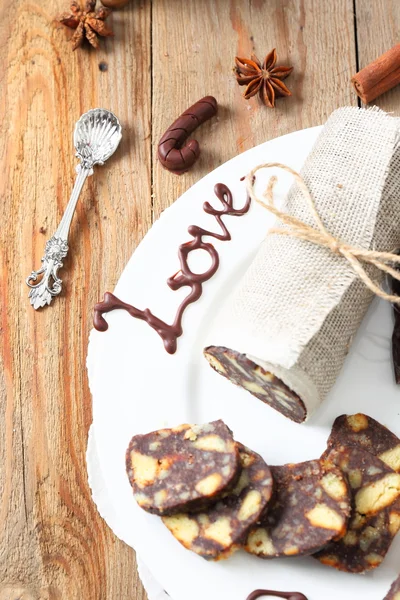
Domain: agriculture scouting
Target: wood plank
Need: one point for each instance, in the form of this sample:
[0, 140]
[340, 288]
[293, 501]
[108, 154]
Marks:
[53, 543]
[378, 29]
[194, 45]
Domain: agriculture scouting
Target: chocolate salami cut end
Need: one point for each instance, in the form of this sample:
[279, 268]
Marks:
[361, 430]
[182, 469]
[245, 373]
[394, 592]
[217, 533]
[375, 518]
[311, 507]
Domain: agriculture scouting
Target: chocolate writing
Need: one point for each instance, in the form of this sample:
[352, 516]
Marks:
[184, 277]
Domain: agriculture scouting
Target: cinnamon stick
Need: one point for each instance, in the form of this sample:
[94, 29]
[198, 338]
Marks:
[378, 77]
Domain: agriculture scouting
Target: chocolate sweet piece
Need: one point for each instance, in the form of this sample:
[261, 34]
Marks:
[182, 469]
[394, 592]
[173, 155]
[361, 430]
[311, 507]
[184, 277]
[375, 518]
[218, 532]
[245, 373]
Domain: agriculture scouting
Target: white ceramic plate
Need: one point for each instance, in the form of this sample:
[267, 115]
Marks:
[137, 387]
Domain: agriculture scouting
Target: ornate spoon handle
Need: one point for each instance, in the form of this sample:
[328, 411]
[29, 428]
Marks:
[56, 249]
[96, 137]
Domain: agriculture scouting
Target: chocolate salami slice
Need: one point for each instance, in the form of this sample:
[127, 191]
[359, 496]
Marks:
[218, 532]
[311, 507]
[394, 592]
[182, 469]
[375, 518]
[243, 372]
[360, 430]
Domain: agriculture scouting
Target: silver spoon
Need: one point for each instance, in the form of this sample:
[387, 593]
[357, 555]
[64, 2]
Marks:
[96, 137]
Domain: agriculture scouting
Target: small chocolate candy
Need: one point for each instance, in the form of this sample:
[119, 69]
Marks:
[311, 507]
[186, 468]
[375, 518]
[243, 372]
[217, 533]
[363, 431]
[173, 155]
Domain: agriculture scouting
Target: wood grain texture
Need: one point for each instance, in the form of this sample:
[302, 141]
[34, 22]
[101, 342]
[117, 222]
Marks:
[53, 544]
[378, 29]
[166, 54]
[194, 46]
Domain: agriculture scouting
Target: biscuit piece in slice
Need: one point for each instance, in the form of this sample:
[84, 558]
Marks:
[265, 386]
[311, 507]
[375, 518]
[394, 592]
[218, 532]
[182, 469]
[361, 430]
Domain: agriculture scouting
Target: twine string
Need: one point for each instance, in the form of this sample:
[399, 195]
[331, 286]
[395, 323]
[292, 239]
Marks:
[320, 236]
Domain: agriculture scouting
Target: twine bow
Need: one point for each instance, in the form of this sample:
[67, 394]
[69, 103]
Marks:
[321, 236]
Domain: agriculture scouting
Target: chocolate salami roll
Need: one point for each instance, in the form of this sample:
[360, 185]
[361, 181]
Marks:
[361, 430]
[286, 328]
[186, 468]
[311, 507]
[218, 532]
[375, 518]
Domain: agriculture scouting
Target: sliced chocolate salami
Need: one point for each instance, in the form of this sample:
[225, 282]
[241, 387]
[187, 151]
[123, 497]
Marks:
[360, 430]
[394, 592]
[218, 532]
[375, 518]
[182, 469]
[311, 507]
[243, 372]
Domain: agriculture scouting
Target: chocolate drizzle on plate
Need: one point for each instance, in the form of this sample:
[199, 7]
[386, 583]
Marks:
[288, 595]
[184, 277]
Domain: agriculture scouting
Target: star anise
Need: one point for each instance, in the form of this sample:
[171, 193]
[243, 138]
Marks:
[88, 23]
[265, 78]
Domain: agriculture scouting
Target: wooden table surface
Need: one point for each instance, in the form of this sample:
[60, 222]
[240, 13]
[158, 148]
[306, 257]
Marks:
[166, 54]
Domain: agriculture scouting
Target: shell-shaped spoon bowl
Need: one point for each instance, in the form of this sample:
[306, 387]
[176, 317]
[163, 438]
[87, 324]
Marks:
[96, 136]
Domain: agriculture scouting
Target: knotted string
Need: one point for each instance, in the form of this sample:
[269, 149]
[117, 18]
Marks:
[321, 236]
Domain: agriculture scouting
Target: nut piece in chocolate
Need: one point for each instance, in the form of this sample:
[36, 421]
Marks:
[217, 533]
[361, 430]
[394, 592]
[243, 372]
[375, 518]
[182, 469]
[311, 507]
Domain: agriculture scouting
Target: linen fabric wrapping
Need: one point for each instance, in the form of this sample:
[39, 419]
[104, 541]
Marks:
[298, 306]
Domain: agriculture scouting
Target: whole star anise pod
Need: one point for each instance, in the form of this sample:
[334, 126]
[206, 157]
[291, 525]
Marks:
[88, 23]
[265, 78]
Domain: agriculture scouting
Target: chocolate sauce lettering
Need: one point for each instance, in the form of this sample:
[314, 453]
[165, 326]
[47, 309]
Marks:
[288, 595]
[184, 277]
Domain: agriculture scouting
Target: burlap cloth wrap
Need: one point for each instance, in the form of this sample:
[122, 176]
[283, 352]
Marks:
[298, 306]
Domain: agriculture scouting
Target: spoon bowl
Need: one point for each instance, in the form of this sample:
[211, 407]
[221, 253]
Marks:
[96, 136]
